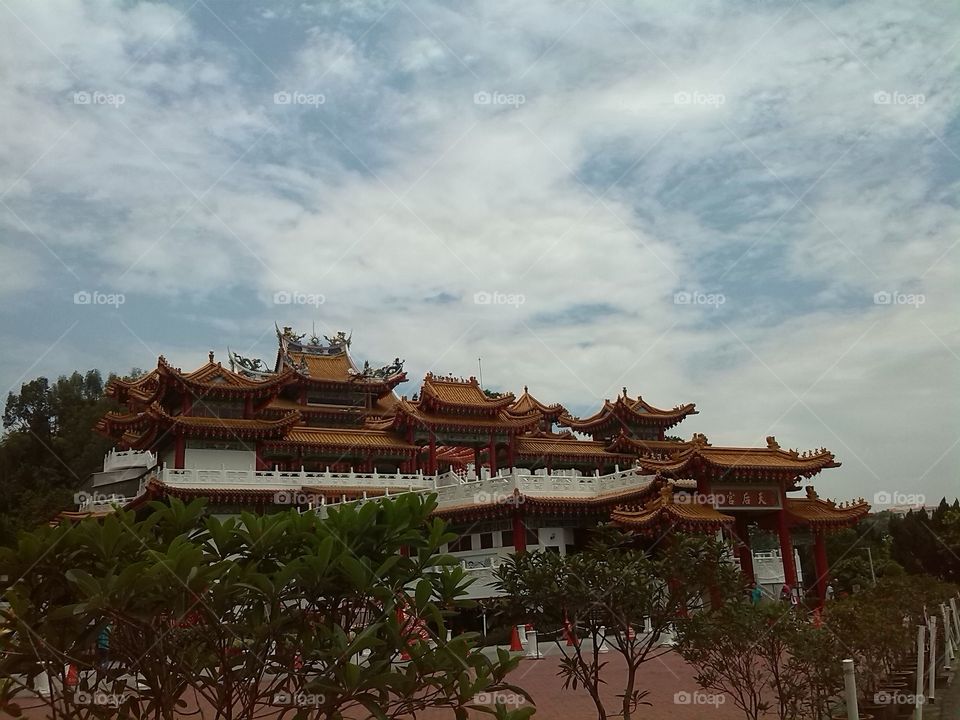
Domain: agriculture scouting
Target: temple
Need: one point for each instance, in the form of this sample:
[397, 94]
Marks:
[511, 473]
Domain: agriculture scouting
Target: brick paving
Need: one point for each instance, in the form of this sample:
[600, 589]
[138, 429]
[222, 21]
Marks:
[663, 677]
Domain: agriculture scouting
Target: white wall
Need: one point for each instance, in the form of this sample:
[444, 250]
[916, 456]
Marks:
[213, 459]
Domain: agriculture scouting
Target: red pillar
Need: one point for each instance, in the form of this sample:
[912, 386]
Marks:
[745, 552]
[493, 456]
[179, 452]
[476, 461]
[432, 460]
[511, 452]
[519, 532]
[822, 566]
[261, 464]
[786, 550]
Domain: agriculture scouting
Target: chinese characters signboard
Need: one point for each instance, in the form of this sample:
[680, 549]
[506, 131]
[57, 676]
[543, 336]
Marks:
[746, 498]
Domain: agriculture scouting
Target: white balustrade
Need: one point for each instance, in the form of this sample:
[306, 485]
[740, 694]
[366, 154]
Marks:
[452, 489]
[227, 478]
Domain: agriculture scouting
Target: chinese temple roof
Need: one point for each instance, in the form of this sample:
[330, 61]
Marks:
[664, 512]
[818, 513]
[543, 445]
[626, 411]
[527, 403]
[212, 379]
[138, 429]
[409, 413]
[345, 438]
[457, 395]
[700, 453]
[491, 505]
[329, 363]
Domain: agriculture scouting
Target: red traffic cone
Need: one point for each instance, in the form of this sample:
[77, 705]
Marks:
[515, 645]
[73, 677]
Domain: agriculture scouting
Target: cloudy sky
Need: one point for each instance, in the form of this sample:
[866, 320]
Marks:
[751, 206]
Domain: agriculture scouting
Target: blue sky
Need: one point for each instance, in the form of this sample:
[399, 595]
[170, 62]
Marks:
[751, 206]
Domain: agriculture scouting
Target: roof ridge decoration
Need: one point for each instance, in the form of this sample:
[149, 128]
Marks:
[290, 341]
[251, 367]
[382, 373]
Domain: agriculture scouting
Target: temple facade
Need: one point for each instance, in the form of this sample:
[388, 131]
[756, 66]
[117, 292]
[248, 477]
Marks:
[511, 473]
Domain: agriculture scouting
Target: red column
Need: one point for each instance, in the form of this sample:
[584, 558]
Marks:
[822, 566]
[786, 550]
[432, 461]
[476, 461]
[519, 532]
[179, 451]
[493, 456]
[745, 552]
[511, 452]
[261, 464]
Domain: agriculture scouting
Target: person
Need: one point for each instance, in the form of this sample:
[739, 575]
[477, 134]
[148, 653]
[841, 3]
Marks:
[756, 594]
[786, 593]
[829, 593]
[103, 647]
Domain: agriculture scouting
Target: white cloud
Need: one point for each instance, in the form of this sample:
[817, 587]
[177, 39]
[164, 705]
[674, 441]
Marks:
[791, 191]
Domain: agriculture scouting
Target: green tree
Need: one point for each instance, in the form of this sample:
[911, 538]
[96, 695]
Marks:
[317, 618]
[48, 448]
[765, 658]
[614, 587]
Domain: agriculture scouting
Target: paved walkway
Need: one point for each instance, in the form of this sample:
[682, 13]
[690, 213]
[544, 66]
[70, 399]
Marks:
[673, 693]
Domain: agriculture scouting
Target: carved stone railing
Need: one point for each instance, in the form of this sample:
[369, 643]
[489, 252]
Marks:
[122, 459]
[227, 478]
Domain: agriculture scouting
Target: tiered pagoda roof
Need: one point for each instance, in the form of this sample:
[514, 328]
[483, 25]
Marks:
[664, 513]
[626, 413]
[825, 514]
[746, 462]
[329, 364]
[455, 404]
[527, 403]
[137, 430]
[565, 447]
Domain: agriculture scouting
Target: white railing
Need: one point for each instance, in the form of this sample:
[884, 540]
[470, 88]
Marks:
[227, 478]
[500, 488]
[120, 459]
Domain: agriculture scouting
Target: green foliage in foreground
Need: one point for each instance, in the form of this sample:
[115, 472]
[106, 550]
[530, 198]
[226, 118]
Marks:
[614, 587]
[247, 613]
[773, 660]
